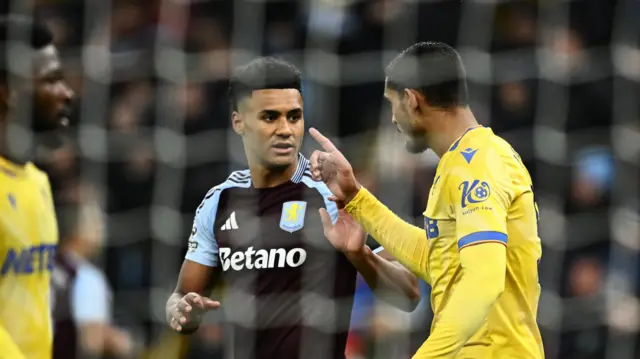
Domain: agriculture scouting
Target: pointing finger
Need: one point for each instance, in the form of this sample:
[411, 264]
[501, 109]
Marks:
[323, 141]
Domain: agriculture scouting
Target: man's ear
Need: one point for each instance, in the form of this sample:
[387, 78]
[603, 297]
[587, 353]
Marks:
[237, 122]
[412, 98]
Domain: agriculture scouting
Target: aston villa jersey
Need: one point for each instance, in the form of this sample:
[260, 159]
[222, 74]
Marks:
[288, 293]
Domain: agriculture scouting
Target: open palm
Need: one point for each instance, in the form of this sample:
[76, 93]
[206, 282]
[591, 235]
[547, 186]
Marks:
[346, 235]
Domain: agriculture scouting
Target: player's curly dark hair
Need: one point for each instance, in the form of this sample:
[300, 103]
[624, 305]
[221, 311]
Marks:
[261, 74]
[20, 28]
[435, 70]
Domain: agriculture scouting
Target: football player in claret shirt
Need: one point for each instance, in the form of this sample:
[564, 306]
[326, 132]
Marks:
[288, 289]
[482, 247]
[36, 100]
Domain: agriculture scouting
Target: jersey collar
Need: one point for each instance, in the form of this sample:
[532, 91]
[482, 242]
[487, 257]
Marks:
[10, 168]
[303, 166]
[457, 142]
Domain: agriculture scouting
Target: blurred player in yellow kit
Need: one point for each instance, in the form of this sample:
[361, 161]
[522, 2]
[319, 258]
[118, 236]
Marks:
[35, 100]
[479, 249]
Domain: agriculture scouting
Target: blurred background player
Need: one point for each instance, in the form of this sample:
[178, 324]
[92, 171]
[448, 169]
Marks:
[36, 99]
[481, 218]
[288, 291]
[82, 301]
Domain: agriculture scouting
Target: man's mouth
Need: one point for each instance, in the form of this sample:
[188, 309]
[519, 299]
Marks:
[283, 148]
[64, 116]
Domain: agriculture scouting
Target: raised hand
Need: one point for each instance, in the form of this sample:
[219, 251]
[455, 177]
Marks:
[346, 235]
[331, 167]
[188, 311]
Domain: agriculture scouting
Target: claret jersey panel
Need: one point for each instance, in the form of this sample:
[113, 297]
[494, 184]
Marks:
[288, 292]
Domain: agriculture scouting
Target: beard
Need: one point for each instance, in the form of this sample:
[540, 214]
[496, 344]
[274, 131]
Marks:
[47, 135]
[416, 141]
[416, 145]
[47, 131]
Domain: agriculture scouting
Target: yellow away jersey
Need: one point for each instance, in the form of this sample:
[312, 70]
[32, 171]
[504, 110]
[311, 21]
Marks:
[28, 238]
[483, 193]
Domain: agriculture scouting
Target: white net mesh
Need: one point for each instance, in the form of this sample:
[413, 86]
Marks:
[557, 79]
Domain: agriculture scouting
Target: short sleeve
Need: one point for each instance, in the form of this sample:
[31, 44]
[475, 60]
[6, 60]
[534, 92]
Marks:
[479, 190]
[90, 296]
[203, 247]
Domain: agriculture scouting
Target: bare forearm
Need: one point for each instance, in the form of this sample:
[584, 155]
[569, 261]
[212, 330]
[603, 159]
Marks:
[390, 281]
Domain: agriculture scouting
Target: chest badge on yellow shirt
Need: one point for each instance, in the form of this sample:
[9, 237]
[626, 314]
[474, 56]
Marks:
[474, 192]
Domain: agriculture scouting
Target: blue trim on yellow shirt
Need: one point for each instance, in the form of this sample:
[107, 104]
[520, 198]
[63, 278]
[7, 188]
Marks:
[485, 236]
[455, 144]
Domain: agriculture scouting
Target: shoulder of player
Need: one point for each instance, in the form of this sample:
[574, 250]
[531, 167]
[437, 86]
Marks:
[237, 179]
[41, 178]
[39, 175]
[483, 151]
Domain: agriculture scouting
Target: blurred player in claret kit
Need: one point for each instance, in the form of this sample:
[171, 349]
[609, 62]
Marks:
[288, 289]
[481, 247]
[28, 229]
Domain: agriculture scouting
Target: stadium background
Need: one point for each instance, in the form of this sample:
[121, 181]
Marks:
[558, 79]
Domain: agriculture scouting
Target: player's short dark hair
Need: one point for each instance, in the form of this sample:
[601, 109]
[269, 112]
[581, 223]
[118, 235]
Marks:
[432, 68]
[261, 74]
[20, 28]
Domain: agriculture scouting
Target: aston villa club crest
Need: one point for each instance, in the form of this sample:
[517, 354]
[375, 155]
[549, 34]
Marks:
[293, 213]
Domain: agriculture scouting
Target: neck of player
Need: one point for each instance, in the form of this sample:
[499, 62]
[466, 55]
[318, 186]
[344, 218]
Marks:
[5, 146]
[263, 176]
[450, 127]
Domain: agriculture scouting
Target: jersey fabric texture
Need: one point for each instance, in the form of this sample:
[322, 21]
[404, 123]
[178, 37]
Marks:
[287, 292]
[28, 239]
[482, 193]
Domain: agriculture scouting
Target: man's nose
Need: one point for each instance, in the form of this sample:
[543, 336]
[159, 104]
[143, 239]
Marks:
[66, 93]
[284, 128]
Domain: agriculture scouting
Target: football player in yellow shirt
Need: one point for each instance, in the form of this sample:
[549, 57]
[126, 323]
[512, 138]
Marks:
[479, 249]
[35, 99]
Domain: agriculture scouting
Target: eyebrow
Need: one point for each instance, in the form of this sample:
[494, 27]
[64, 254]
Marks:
[295, 111]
